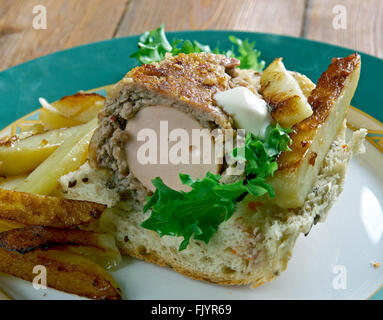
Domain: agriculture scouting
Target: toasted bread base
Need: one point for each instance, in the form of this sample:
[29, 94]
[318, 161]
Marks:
[250, 248]
[156, 259]
[273, 261]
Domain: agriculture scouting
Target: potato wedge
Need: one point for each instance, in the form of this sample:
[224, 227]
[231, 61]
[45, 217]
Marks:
[29, 130]
[31, 209]
[23, 156]
[6, 225]
[88, 114]
[11, 183]
[52, 120]
[66, 271]
[71, 110]
[313, 137]
[106, 258]
[306, 85]
[280, 89]
[68, 157]
[29, 238]
[73, 105]
[98, 247]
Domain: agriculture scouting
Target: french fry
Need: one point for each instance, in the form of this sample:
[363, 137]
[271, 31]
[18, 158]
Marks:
[28, 130]
[6, 225]
[70, 106]
[11, 183]
[32, 209]
[98, 247]
[71, 110]
[88, 114]
[106, 258]
[65, 271]
[23, 156]
[68, 157]
[54, 120]
[31, 238]
[32, 224]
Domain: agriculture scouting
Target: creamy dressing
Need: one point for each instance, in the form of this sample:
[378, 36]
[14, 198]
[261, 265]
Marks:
[249, 112]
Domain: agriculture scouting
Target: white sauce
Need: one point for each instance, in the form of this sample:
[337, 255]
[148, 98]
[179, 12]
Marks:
[249, 112]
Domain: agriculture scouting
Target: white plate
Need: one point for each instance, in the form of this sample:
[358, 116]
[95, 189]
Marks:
[333, 262]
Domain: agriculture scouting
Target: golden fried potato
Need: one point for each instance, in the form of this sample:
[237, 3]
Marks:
[52, 120]
[11, 183]
[282, 91]
[312, 138]
[106, 258]
[306, 85]
[71, 110]
[28, 130]
[6, 225]
[66, 271]
[30, 238]
[68, 157]
[74, 105]
[22, 156]
[98, 247]
[32, 209]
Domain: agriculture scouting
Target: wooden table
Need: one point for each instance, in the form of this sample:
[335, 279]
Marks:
[75, 22]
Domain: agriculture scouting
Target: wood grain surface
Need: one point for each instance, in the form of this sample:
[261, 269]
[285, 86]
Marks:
[364, 24]
[272, 16]
[69, 23]
[75, 22]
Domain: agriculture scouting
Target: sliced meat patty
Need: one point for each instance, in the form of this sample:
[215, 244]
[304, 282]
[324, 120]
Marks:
[182, 84]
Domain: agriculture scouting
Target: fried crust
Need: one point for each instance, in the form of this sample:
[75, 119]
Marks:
[32, 209]
[192, 78]
[66, 272]
[77, 102]
[32, 238]
[322, 98]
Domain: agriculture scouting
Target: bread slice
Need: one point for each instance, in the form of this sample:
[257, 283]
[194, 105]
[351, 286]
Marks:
[253, 247]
